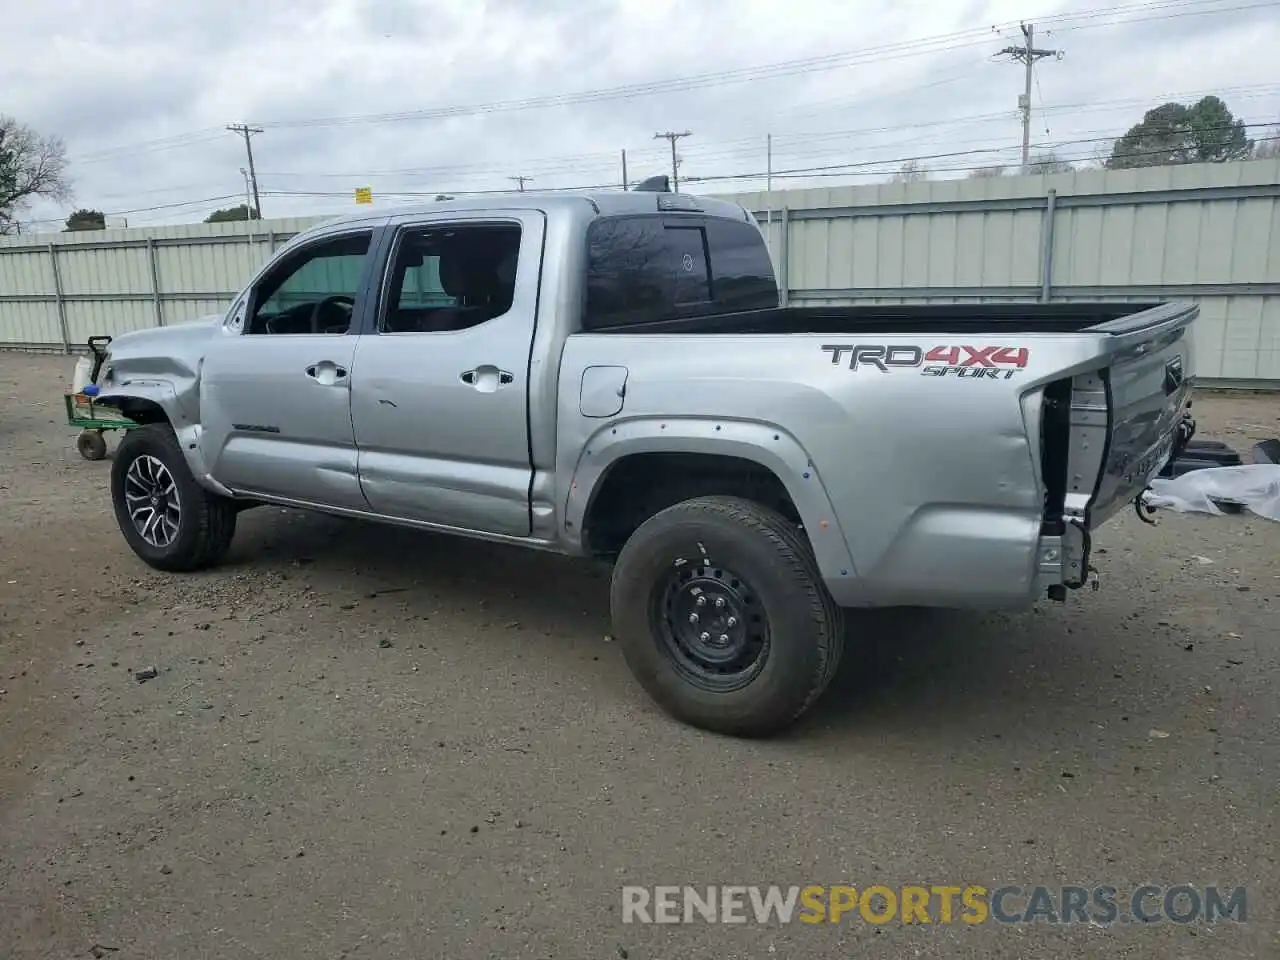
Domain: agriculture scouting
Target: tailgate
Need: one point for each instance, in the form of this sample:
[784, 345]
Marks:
[1127, 418]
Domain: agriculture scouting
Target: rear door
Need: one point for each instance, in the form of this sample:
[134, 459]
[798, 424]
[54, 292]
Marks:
[440, 396]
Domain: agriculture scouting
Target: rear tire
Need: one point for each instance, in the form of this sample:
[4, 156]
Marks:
[723, 618]
[169, 520]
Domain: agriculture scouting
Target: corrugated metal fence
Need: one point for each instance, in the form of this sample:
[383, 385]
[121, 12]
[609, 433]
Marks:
[1208, 232]
[63, 288]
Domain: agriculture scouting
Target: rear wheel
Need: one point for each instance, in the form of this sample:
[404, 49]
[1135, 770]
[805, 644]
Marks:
[723, 617]
[169, 520]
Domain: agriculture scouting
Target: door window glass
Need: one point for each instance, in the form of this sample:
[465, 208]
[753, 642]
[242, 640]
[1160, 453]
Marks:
[451, 277]
[313, 291]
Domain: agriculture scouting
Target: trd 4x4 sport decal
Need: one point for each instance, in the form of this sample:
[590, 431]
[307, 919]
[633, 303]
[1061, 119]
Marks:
[977, 363]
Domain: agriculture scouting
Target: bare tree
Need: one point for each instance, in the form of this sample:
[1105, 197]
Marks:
[910, 172]
[31, 167]
[984, 173]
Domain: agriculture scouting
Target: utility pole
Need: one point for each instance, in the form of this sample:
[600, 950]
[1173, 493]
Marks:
[768, 162]
[624, 170]
[247, 132]
[675, 173]
[768, 190]
[1028, 54]
[520, 181]
[247, 194]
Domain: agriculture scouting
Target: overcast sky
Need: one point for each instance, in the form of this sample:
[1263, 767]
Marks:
[141, 90]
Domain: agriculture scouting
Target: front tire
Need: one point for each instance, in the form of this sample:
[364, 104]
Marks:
[169, 520]
[723, 618]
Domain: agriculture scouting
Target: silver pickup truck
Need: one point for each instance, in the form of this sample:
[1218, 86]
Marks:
[610, 375]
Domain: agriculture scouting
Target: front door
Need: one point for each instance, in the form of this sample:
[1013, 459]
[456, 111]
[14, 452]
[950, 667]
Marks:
[440, 393]
[275, 397]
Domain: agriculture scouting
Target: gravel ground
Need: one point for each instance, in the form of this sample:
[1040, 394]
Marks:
[364, 742]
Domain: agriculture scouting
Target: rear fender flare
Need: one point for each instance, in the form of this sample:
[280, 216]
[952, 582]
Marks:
[767, 444]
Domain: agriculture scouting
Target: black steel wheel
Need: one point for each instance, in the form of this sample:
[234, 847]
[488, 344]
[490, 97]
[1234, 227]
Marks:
[712, 625]
[169, 520]
[723, 618]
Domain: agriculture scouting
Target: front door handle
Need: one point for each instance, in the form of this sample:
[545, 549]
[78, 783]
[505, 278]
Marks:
[486, 378]
[327, 372]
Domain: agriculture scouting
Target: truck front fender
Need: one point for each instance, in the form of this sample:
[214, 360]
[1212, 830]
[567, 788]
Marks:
[143, 395]
[766, 444]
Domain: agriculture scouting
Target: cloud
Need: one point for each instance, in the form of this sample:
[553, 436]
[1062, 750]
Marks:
[142, 90]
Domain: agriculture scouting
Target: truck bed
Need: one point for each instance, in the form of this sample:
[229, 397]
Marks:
[992, 318]
[958, 437]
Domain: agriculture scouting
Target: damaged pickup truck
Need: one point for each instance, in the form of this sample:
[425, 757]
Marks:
[610, 375]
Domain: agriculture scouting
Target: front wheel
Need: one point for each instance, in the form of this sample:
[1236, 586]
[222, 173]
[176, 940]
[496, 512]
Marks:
[169, 520]
[723, 617]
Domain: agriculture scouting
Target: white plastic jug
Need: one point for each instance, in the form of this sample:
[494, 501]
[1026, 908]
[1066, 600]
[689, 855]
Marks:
[80, 378]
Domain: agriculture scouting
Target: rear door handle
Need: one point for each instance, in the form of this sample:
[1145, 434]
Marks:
[486, 378]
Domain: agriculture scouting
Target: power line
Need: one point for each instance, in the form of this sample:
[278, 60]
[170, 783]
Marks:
[677, 84]
[829, 106]
[860, 168]
[886, 166]
[1092, 22]
[191, 138]
[889, 165]
[1040, 94]
[729, 149]
[875, 54]
[1098, 17]
[738, 147]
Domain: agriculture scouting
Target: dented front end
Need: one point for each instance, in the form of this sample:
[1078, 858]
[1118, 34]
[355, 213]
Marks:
[154, 376]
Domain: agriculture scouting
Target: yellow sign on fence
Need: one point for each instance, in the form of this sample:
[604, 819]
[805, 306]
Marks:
[364, 195]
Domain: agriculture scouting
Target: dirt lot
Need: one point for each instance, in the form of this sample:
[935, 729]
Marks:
[369, 743]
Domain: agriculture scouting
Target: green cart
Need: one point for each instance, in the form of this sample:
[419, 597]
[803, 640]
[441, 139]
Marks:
[94, 419]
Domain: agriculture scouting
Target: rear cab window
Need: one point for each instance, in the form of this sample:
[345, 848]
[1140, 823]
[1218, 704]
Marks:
[662, 267]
